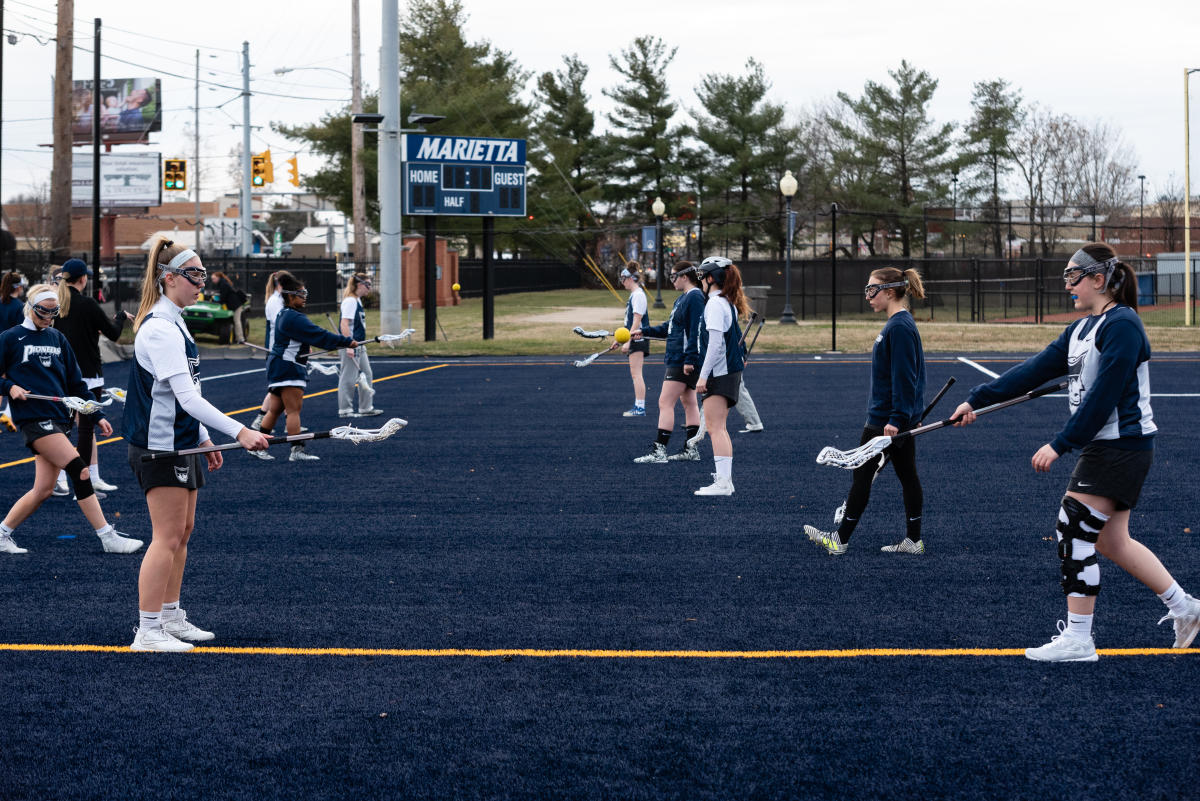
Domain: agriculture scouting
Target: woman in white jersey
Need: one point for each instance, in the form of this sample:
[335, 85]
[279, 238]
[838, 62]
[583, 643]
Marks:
[636, 350]
[355, 364]
[164, 411]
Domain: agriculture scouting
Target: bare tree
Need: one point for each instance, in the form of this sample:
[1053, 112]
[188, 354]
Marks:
[1105, 169]
[33, 225]
[1169, 207]
[1042, 148]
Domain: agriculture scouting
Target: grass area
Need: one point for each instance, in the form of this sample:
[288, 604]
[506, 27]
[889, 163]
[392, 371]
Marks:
[540, 323]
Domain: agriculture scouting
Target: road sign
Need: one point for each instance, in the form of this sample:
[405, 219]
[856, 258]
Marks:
[463, 176]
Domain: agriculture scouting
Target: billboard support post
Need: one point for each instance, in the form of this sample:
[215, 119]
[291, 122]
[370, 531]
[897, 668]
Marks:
[95, 160]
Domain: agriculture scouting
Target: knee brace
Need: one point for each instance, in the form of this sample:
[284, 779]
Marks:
[1078, 530]
[83, 486]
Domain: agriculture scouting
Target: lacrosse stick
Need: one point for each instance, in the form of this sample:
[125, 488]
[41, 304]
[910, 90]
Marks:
[80, 405]
[320, 367]
[840, 512]
[115, 393]
[348, 433]
[601, 334]
[588, 360]
[849, 460]
[387, 339]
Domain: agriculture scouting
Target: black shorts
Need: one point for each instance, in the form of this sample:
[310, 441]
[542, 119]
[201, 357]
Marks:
[1111, 473]
[727, 386]
[185, 472]
[639, 346]
[44, 428]
[278, 391]
[675, 373]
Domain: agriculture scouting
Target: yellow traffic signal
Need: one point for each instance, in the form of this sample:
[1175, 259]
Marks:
[293, 171]
[175, 175]
[269, 168]
[258, 169]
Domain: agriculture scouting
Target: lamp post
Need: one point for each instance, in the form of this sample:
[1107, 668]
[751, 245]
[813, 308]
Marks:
[1142, 218]
[954, 214]
[659, 208]
[787, 186]
[1187, 208]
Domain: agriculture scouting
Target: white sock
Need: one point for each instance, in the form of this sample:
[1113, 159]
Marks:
[640, 404]
[149, 620]
[5, 531]
[100, 532]
[94, 472]
[724, 466]
[62, 476]
[1079, 626]
[1174, 596]
[170, 612]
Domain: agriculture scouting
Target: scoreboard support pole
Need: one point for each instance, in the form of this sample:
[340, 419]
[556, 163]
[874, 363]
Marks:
[489, 279]
[431, 278]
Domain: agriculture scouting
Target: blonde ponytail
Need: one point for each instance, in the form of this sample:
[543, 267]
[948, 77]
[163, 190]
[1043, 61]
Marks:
[915, 288]
[161, 252]
[64, 298]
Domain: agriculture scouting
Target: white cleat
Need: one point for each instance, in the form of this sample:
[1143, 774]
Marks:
[1064, 648]
[751, 428]
[116, 542]
[100, 485]
[720, 486]
[8, 545]
[158, 640]
[300, 455]
[263, 455]
[182, 629]
[1187, 625]
[905, 546]
[61, 490]
[657, 455]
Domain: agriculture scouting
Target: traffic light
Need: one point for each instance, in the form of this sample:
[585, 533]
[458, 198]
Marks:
[261, 170]
[293, 171]
[175, 175]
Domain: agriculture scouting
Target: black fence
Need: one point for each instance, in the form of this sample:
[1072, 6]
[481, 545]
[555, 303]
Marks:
[524, 275]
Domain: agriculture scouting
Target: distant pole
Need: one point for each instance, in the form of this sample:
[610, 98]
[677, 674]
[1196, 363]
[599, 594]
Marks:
[659, 208]
[391, 276]
[787, 187]
[833, 276]
[1141, 219]
[60, 171]
[489, 279]
[246, 245]
[430, 305]
[358, 184]
[95, 155]
[195, 179]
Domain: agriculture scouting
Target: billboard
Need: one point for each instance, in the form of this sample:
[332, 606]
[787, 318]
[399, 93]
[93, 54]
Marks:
[130, 108]
[126, 181]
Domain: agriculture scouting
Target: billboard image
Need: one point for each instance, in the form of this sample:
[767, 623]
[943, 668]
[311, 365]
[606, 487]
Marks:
[129, 108]
[126, 181]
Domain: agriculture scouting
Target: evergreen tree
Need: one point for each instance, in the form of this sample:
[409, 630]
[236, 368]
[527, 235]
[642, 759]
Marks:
[988, 148]
[899, 152]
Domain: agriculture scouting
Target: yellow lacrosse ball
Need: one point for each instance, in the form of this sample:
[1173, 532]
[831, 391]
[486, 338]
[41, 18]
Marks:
[455, 287]
[621, 335]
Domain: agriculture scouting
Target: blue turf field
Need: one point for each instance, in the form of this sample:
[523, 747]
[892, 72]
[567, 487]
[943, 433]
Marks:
[508, 516]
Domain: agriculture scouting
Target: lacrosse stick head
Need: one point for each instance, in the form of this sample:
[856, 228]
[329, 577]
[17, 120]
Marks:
[89, 406]
[587, 361]
[851, 460]
[358, 435]
[391, 339]
[323, 368]
[115, 393]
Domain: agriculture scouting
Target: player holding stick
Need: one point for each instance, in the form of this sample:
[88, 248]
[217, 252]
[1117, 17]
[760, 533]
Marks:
[164, 411]
[1106, 356]
[637, 315]
[35, 358]
[355, 363]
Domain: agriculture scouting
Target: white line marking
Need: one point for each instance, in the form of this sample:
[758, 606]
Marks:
[978, 367]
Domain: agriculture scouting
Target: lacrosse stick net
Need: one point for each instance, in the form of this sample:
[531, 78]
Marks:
[599, 334]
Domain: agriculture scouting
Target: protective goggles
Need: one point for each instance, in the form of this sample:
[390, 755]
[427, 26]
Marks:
[1082, 265]
[300, 293]
[43, 313]
[685, 271]
[871, 290]
[196, 276]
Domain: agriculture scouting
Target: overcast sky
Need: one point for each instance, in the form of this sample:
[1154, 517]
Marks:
[1101, 60]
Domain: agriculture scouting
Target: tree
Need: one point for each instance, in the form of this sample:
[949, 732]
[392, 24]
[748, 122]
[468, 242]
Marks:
[1105, 169]
[903, 152]
[565, 182]
[1039, 146]
[988, 148]
[749, 144]
[1169, 206]
[639, 151]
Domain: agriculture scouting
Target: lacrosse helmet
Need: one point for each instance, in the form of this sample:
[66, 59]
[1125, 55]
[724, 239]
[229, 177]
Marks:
[714, 267]
[626, 273]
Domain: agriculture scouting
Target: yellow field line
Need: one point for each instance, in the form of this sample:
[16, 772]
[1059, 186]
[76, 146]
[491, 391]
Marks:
[251, 409]
[585, 653]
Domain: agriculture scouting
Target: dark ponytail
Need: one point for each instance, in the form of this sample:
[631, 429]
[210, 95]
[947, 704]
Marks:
[1122, 286]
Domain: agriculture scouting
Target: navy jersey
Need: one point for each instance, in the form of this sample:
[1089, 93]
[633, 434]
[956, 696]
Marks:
[682, 329]
[897, 374]
[730, 354]
[162, 348]
[1106, 357]
[640, 307]
[12, 312]
[39, 360]
[294, 336]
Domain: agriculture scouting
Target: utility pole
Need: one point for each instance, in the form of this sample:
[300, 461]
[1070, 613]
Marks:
[390, 271]
[246, 187]
[196, 153]
[96, 106]
[358, 181]
[60, 171]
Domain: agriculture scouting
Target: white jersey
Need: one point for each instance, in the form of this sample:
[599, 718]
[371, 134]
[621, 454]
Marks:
[272, 309]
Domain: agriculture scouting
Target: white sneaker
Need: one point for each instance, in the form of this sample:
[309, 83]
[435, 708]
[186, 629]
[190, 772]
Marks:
[61, 489]
[657, 455]
[182, 629]
[369, 412]
[158, 640]
[100, 485]
[299, 455]
[720, 486]
[116, 542]
[905, 546]
[751, 428]
[7, 545]
[1187, 625]
[1064, 648]
[263, 455]
[348, 414]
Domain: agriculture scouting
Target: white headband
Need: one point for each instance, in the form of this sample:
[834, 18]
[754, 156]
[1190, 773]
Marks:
[183, 257]
[44, 295]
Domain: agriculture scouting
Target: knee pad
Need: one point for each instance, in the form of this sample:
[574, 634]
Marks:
[83, 486]
[1078, 530]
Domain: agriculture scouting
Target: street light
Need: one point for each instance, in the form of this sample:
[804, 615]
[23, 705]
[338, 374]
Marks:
[1187, 208]
[954, 214]
[788, 186]
[659, 208]
[1142, 219]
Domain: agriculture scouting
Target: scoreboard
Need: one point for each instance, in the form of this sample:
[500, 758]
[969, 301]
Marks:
[463, 176]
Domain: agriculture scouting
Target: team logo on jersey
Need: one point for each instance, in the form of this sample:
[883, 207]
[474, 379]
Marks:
[46, 425]
[44, 353]
[181, 474]
[194, 369]
[1075, 388]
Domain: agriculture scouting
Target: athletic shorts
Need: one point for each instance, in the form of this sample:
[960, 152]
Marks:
[639, 346]
[727, 386]
[278, 391]
[1111, 473]
[185, 472]
[675, 373]
[44, 428]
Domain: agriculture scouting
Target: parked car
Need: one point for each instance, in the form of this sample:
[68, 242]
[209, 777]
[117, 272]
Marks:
[207, 316]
